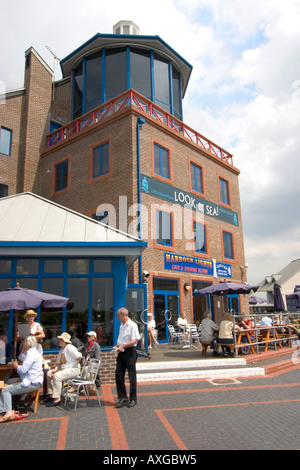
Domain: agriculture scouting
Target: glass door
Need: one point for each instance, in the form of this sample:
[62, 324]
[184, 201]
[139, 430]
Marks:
[165, 308]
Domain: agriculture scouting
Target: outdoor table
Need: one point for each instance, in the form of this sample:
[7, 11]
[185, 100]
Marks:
[4, 368]
[242, 333]
[188, 334]
[265, 331]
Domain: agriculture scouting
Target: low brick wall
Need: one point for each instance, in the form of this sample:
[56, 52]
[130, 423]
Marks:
[107, 370]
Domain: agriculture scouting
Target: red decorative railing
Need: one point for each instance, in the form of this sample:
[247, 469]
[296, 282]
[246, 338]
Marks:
[132, 98]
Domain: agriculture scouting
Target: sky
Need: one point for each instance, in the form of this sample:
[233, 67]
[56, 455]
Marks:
[243, 94]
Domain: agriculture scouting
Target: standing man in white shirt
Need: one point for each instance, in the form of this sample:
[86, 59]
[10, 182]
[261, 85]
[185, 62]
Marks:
[126, 347]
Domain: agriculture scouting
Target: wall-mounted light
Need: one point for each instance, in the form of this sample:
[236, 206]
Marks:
[187, 286]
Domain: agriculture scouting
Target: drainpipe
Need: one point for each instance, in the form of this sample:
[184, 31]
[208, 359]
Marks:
[140, 122]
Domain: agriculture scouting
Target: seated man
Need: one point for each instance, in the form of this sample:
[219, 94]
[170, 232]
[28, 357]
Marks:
[31, 374]
[209, 329]
[182, 321]
[67, 368]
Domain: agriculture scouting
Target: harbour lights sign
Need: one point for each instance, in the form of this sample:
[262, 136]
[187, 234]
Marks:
[189, 264]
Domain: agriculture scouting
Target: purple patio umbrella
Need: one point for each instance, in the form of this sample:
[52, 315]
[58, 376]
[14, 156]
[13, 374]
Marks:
[19, 298]
[278, 300]
[228, 288]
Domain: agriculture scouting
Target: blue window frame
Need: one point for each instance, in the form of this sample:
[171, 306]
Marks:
[101, 160]
[161, 162]
[101, 217]
[61, 175]
[228, 245]
[163, 228]
[199, 238]
[5, 140]
[224, 191]
[3, 190]
[196, 178]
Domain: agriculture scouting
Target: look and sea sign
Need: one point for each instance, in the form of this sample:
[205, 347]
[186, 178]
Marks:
[177, 196]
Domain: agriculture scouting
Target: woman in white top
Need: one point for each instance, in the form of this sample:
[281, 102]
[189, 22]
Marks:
[226, 332]
[151, 330]
[67, 367]
[35, 328]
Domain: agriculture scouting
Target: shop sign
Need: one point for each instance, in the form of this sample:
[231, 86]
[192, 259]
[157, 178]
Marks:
[174, 195]
[189, 264]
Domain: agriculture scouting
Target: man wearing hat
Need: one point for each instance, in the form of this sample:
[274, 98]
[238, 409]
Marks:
[67, 367]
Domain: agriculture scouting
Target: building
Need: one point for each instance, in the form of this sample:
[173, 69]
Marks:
[289, 280]
[109, 141]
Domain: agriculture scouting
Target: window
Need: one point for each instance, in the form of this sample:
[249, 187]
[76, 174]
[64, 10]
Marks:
[199, 238]
[3, 190]
[101, 217]
[228, 245]
[5, 140]
[101, 160]
[61, 176]
[161, 162]
[224, 191]
[196, 178]
[163, 228]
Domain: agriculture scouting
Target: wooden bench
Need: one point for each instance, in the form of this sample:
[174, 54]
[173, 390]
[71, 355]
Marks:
[204, 346]
[35, 396]
[224, 345]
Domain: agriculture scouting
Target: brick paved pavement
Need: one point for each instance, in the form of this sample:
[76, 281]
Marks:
[248, 413]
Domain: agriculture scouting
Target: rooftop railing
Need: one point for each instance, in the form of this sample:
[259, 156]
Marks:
[132, 98]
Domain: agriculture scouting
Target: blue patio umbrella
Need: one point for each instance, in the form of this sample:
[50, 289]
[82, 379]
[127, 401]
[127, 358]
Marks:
[278, 300]
[18, 298]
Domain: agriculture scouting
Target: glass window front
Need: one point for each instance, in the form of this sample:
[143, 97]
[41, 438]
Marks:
[5, 140]
[88, 283]
[61, 176]
[200, 239]
[144, 71]
[161, 161]
[101, 160]
[228, 245]
[93, 82]
[3, 190]
[77, 92]
[161, 83]
[163, 228]
[224, 191]
[196, 178]
[116, 78]
[140, 73]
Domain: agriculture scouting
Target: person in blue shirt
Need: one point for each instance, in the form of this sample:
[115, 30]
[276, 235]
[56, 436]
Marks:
[31, 378]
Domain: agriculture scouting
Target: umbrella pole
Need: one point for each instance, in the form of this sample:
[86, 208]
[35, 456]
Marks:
[15, 335]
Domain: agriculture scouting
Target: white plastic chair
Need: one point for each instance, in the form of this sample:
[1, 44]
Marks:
[173, 335]
[193, 333]
[87, 379]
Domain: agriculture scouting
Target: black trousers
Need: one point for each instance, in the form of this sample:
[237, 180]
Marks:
[126, 361]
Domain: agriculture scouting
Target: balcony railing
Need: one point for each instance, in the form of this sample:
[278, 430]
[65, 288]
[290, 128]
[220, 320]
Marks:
[132, 98]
